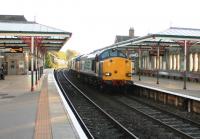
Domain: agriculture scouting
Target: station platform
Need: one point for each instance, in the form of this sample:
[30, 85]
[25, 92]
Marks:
[40, 114]
[170, 86]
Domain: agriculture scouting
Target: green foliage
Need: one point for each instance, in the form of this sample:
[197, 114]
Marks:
[61, 55]
[70, 54]
[48, 61]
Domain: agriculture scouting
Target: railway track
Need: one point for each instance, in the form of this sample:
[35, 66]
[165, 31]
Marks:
[94, 120]
[185, 128]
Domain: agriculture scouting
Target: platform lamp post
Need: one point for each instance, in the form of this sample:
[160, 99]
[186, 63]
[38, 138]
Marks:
[158, 60]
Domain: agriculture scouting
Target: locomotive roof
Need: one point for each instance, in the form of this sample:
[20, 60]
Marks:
[93, 54]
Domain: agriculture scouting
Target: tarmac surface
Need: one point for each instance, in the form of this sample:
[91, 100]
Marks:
[38, 114]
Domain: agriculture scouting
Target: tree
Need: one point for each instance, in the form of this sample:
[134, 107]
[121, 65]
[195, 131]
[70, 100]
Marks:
[71, 53]
[55, 59]
[48, 61]
[61, 55]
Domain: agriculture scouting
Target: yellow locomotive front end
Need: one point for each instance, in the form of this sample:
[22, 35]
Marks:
[117, 71]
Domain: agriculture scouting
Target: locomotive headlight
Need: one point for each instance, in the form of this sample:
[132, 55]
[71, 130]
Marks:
[108, 74]
[128, 74]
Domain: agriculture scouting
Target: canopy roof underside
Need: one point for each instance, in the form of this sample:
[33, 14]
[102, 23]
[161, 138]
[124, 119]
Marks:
[12, 34]
[170, 37]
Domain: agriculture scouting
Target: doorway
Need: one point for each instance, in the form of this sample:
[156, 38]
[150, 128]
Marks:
[12, 67]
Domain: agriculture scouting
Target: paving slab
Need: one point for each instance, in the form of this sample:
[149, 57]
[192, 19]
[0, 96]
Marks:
[170, 86]
[62, 125]
[19, 109]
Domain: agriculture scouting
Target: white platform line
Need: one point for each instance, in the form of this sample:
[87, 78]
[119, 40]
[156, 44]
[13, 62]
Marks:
[71, 114]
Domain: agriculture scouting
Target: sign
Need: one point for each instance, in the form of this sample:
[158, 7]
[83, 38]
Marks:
[133, 55]
[21, 64]
[16, 50]
[5, 50]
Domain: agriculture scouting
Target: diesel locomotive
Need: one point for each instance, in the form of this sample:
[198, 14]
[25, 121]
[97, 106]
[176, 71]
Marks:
[103, 67]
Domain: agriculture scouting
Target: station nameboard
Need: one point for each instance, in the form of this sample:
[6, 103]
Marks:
[15, 50]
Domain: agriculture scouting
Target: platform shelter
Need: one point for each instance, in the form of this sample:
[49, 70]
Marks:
[23, 45]
[172, 52]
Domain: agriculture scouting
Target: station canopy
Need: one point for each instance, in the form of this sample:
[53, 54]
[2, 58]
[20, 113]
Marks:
[172, 37]
[16, 31]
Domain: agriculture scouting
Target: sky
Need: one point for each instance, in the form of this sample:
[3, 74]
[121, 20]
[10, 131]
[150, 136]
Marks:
[95, 23]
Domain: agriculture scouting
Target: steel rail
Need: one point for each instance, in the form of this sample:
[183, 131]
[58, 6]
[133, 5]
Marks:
[182, 134]
[170, 113]
[109, 116]
[84, 127]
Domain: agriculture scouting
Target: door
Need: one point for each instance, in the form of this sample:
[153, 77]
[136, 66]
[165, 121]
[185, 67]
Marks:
[12, 67]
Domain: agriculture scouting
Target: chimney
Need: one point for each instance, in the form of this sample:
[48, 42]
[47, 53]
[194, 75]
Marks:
[131, 32]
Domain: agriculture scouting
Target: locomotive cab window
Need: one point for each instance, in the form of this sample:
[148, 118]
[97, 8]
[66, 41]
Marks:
[112, 53]
[120, 54]
[104, 55]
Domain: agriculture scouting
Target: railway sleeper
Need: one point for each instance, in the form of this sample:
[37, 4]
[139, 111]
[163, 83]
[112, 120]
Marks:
[141, 108]
[194, 134]
[161, 116]
[153, 114]
[169, 119]
[177, 126]
[173, 123]
[188, 130]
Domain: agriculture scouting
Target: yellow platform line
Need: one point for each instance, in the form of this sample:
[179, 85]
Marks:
[43, 124]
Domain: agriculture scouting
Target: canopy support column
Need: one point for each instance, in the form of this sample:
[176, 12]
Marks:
[158, 63]
[158, 60]
[198, 62]
[32, 64]
[39, 58]
[36, 66]
[139, 57]
[185, 63]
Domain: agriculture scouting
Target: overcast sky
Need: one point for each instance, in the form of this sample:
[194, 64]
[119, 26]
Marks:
[95, 23]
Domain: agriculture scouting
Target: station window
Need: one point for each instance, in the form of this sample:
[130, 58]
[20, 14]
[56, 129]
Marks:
[191, 62]
[196, 62]
[170, 62]
[178, 62]
[174, 62]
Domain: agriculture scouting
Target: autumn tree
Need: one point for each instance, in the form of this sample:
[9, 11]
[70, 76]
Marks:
[48, 61]
[70, 54]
